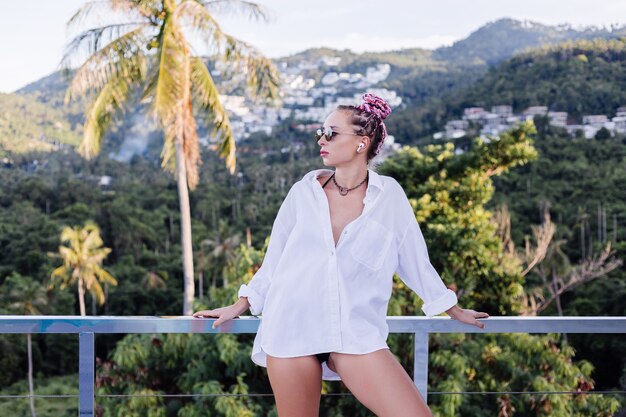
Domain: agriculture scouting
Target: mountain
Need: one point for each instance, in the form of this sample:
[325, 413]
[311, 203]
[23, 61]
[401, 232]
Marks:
[429, 81]
[499, 40]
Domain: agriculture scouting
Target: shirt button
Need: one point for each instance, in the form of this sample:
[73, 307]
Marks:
[332, 252]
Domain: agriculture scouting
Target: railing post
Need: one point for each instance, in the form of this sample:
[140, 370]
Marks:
[86, 375]
[420, 363]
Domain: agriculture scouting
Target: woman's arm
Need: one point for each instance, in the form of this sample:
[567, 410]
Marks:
[416, 271]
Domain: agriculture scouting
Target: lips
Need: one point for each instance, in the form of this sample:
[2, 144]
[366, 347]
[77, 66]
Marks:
[323, 153]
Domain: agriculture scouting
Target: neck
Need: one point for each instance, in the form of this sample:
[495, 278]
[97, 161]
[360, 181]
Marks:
[350, 176]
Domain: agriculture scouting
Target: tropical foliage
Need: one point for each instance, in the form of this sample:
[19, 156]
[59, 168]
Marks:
[173, 79]
[82, 263]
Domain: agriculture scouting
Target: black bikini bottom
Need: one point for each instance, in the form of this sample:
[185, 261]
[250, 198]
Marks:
[322, 357]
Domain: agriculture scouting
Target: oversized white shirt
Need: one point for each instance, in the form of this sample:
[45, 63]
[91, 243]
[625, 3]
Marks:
[316, 297]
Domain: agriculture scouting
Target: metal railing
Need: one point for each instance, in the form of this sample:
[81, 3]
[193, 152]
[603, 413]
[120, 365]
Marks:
[420, 327]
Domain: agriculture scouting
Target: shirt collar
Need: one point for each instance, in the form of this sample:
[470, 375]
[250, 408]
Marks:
[374, 178]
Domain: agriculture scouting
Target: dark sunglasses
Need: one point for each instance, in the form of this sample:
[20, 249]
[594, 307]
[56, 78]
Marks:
[329, 133]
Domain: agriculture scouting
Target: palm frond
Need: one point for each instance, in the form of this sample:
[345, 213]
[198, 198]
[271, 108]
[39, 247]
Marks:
[83, 12]
[124, 58]
[109, 100]
[207, 95]
[146, 8]
[262, 78]
[59, 274]
[92, 40]
[169, 88]
[253, 11]
[104, 276]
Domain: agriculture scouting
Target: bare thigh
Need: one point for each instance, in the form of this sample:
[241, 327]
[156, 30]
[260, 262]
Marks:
[297, 385]
[380, 383]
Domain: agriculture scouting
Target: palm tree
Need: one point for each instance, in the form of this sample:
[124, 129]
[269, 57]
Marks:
[146, 47]
[82, 263]
[221, 251]
[27, 297]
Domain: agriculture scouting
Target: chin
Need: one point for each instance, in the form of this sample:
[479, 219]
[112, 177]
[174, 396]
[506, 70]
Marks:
[327, 163]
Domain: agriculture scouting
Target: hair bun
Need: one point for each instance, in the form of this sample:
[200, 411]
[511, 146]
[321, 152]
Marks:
[375, 105]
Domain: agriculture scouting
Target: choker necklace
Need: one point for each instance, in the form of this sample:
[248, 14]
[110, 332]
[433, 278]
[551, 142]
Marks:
[343, 190]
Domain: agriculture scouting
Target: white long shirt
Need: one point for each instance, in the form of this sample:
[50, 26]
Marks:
[316, 297]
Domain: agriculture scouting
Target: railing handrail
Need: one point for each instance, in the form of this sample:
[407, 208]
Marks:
[249, 324]
[88, 326]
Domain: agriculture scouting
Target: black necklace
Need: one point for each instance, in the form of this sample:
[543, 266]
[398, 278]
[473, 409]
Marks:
[343, 190]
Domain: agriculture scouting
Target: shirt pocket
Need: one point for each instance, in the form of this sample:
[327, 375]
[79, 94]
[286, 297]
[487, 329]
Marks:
[371, 244]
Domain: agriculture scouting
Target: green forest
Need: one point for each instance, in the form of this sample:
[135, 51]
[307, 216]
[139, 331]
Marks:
[485, 214]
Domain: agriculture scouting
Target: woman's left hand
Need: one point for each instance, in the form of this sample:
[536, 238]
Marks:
[465, 315]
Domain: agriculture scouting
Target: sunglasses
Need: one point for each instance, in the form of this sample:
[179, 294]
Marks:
[329, 133]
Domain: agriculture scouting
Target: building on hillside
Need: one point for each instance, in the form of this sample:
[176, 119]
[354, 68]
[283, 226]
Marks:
[329, 61]
[619, 123]
[558, 118]
[535, 111]
[503, 111]
[596, 120]
[473, 113]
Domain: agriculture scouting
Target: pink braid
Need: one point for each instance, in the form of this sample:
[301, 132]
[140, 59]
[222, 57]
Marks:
[379, 109]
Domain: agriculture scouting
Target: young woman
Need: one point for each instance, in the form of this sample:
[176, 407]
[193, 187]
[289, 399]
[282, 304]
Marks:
[326, 279]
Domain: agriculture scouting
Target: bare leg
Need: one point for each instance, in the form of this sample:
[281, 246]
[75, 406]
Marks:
[297, 385]
[380, 383]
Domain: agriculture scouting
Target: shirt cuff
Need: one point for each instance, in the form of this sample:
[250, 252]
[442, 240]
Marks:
[441, 304]
[255, 300]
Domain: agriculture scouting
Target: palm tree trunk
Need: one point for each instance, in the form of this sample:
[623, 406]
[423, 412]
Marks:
[31, 390]
[81, 297]
[185, 227]
[200, 284]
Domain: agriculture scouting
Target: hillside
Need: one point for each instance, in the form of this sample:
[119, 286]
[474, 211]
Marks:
[582, 77]
[28, 125]
[434, 85]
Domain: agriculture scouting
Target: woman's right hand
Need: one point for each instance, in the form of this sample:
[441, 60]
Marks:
[224, 313]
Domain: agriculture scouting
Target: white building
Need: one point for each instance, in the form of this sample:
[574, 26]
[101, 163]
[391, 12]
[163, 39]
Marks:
[374, 75]
[619, 122]
[473, 113]
[558, 118]
[502, 110]
[595, 120]
[330, 78]
[536, 111]
[329, 61]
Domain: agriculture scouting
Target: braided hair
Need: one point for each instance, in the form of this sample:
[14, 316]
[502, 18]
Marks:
[370, 117]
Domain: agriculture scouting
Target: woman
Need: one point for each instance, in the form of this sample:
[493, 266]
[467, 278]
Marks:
[326, 279]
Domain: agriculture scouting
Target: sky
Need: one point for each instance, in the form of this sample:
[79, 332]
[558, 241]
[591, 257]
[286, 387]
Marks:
[33, 32]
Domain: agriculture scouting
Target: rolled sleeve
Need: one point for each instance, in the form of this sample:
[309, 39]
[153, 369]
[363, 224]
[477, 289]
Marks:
[416, 271]
[255, 299]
